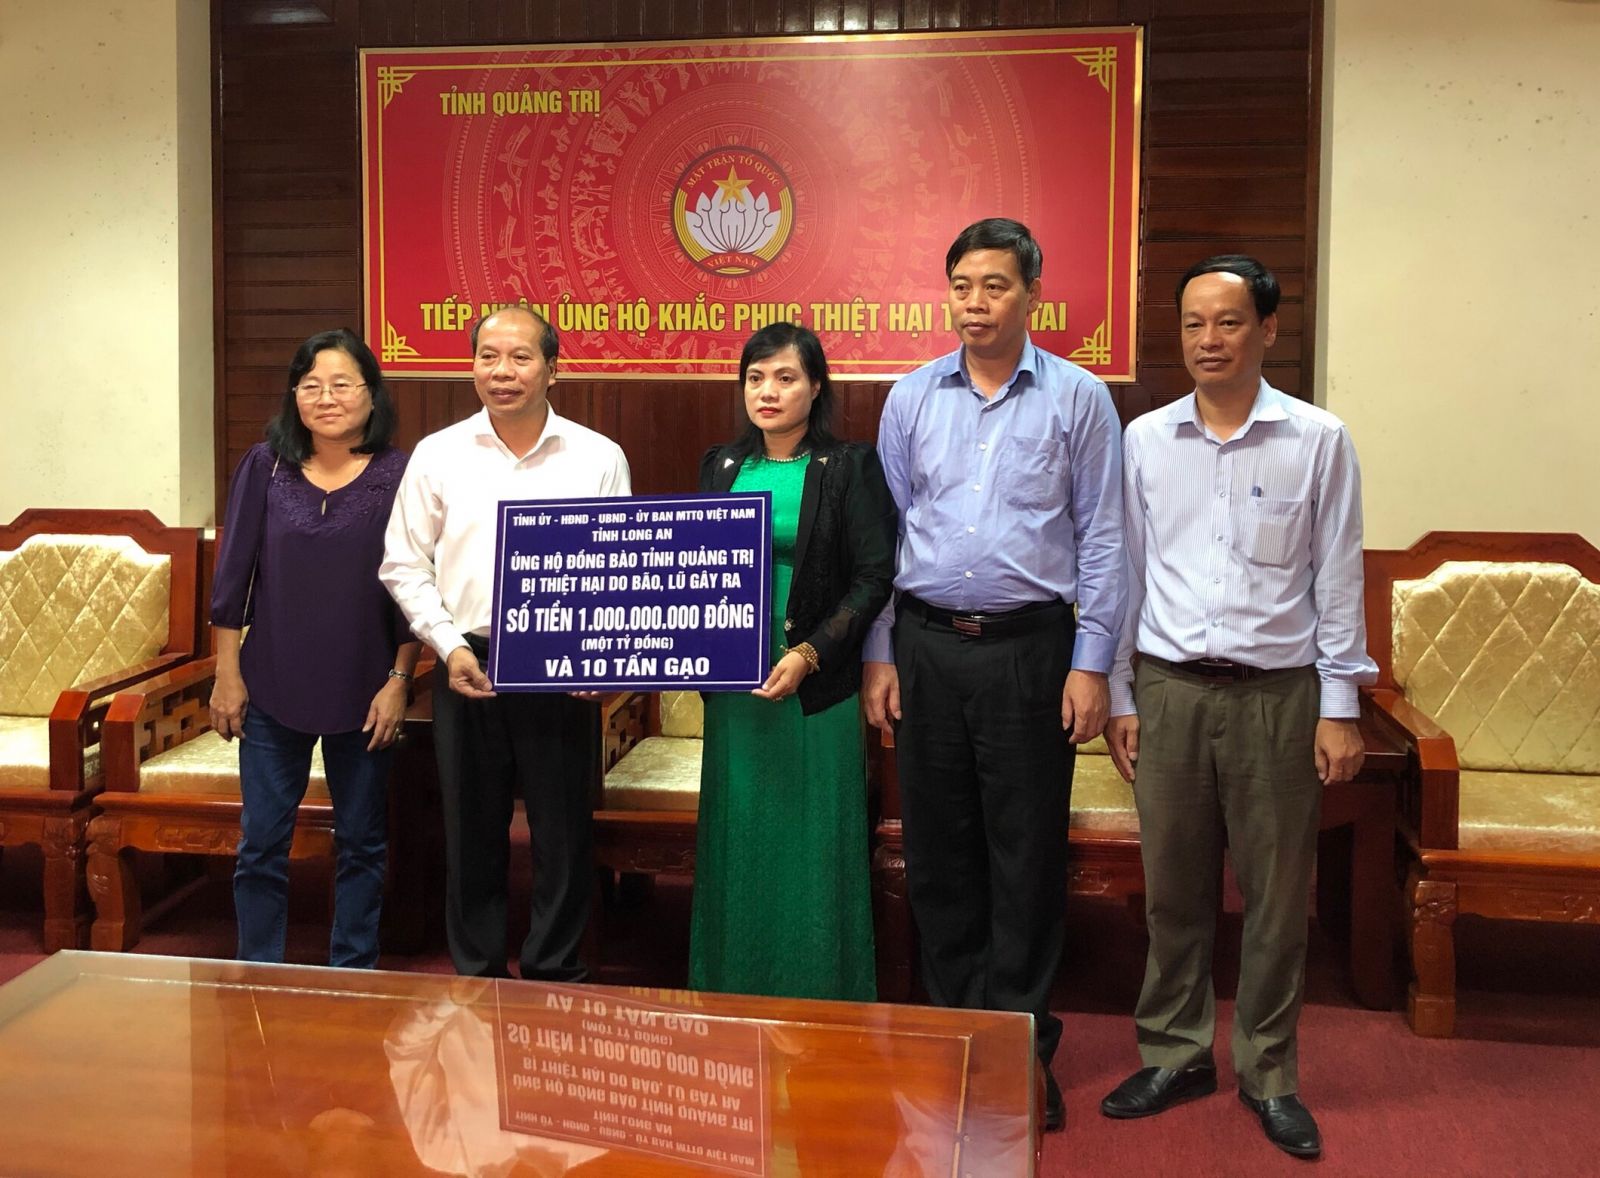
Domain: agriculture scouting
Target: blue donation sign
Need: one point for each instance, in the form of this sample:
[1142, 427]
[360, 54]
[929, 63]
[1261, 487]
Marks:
[671, 591]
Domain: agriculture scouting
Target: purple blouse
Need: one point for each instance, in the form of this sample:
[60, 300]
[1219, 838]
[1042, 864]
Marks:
[323, 630]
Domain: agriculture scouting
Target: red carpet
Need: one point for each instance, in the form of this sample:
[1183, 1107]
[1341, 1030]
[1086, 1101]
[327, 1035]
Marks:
[1513, 1094]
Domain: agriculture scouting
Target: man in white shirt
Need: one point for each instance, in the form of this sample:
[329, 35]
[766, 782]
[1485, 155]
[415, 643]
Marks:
[1242, 508]
[439, 565]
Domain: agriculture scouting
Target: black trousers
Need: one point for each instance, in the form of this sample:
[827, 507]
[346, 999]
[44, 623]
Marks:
[536, 746]
[985, 790]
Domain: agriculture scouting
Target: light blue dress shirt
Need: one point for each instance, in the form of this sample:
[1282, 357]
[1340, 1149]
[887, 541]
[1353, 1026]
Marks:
[1007, 500]
[1248, 549]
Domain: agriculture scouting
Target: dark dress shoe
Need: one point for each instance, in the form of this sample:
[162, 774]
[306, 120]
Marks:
[1288, 1124]
[1154, 1090]
[1055, 1109]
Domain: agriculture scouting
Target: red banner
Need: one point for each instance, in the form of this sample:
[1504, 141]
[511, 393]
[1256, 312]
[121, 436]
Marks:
[659, 202]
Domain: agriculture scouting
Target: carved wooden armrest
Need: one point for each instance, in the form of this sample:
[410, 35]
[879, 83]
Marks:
[422, 678]
[613, 701]
[79, 711]
[1400, 716]
[157, 715]
[1435, 811]
[888, 774]
[128, 676]
[1532, 866]
[622, 725]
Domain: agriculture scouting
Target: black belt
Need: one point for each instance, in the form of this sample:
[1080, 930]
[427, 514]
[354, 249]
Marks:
[1225, 669]
[1022, 620]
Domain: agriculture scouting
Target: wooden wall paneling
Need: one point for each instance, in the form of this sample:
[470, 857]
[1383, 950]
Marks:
[1230, 163]
[563, 20]
[1279, 28]
[946, 14]
[426, 25]
[663, 18]
[1225, 164]
[457, 27]
[883, 16]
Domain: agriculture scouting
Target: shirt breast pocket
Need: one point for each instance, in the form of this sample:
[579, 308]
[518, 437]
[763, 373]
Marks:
[1033, 472]
[1275, 530]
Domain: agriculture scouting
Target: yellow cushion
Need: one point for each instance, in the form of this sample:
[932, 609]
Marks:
[683, 714]
[658, 773]
[1535, 812]
[210, 765]
[75, 608]
[1101, 800]
[25, 753]
[1506, 656]
[663, 773]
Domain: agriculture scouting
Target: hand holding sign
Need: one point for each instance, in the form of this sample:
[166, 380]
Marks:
[465, 675]
[785, 678]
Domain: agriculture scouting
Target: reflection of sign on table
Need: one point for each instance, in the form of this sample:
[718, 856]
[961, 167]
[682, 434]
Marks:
[633, 594]
[584, 1065]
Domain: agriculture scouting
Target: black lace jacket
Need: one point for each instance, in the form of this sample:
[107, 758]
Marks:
[843, 559]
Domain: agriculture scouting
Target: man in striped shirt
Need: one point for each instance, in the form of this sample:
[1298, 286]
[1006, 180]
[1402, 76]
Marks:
[991, 664]
[1243, 514]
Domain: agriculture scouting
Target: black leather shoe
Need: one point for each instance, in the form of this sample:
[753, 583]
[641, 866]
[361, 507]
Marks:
[1055, 1109]
[1288, 1124]
[1154, 1090]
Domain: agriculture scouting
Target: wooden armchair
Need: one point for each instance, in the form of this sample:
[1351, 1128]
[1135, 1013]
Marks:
[647, 794]
[1488, 650]
[1355, 877]
[91, 602]
[1103, 861]
[172, 785]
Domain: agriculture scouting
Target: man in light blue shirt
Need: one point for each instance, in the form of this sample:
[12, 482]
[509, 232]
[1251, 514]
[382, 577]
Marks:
[1005, 464]
[1243, 510]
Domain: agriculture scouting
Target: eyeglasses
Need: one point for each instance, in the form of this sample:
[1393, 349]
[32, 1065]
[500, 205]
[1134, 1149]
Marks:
[342, 390]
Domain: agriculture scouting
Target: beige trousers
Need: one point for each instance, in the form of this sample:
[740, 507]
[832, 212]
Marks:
[1226, 762]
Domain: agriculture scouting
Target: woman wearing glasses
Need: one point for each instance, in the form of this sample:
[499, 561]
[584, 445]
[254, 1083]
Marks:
[328, 654]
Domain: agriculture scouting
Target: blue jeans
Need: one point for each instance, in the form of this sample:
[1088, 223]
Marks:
[274, 770]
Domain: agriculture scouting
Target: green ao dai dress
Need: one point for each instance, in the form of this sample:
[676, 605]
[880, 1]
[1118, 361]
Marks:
[782, 900]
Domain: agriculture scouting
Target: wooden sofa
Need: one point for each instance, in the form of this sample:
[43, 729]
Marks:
[91, 602]
[1356, 891]
[1488, 649]
[647, 793]
[647, 797]
[1104, 859]
[172, 786]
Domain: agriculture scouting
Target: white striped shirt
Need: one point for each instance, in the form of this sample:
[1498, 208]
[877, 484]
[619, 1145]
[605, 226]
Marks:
[1248, 549]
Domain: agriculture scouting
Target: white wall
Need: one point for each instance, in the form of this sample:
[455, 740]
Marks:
[1460, 298]
[105, 257]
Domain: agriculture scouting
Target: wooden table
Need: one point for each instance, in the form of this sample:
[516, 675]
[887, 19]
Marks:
[114, 1063]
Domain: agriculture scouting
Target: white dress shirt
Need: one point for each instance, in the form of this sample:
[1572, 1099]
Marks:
[1247, 549]
[438, 559]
